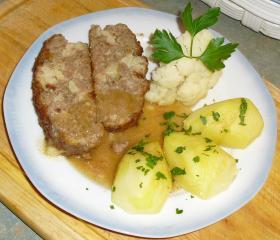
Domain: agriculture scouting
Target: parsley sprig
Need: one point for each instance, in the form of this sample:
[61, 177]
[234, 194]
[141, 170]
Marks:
[167, 49]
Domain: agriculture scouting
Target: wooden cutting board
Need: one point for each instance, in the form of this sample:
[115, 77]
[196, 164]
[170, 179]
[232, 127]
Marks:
[21, 22]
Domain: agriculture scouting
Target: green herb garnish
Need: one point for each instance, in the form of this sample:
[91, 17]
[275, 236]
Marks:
[179, 211]
[167, 49]
[216, 116]
[209, 147]
[168, 115]
[113, 188]
[140, 146]
[160, 175]
[203, 120]
[151, 160]
[177, 171]
[216, 53]
[196, 159]
[207, 140]
[242, 110]
[180, 149]
[194, 26]
[112, 206]
[141, 185]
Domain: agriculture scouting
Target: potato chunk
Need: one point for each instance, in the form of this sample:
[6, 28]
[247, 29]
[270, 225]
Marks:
[231, 123]
[143, 180]
[198, 165]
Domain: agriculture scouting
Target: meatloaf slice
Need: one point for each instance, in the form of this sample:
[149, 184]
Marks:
[62, 96]
[119, 73]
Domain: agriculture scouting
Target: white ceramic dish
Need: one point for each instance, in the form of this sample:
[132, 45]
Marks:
[63, 185]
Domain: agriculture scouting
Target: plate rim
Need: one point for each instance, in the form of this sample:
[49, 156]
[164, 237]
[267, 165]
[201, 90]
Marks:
[110, 227]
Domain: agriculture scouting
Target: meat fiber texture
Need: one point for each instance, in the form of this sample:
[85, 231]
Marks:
[119, 71]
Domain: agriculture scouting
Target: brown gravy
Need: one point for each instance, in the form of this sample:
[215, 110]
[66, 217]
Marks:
[101, 164]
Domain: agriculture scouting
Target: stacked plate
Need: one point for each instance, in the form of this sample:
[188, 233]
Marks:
[260, 15]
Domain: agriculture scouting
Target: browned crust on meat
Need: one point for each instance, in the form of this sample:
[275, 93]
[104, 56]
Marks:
[144, 85]
[42, 109]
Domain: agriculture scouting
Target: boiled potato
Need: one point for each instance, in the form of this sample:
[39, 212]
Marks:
[231, 123]
[143, 180]
[198, 165]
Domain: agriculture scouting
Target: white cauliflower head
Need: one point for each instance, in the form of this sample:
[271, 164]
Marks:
[168, 75]
[187, 79]
[194, 87]
[161, 95]
[200, 42]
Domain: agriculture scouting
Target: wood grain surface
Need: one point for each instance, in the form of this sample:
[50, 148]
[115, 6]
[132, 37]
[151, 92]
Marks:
[21, 22]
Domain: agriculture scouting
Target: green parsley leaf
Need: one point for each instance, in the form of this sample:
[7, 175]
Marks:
[166, 48]
[202, 22]
[137, 160]
[215, 116]
[112, 206]
[209, 147]
[140, 146]
[215, 53]
[236, 160]
[170, 125]
[146, 171]
[151, 160]
[242, 109]
[168, 131]
[160, 175]
[179, 211]
[203, 120]
[207, 140]
[168, 115]
[196, 159]
[113, 188]
[141, 185]
[177, 171]
[180, 149]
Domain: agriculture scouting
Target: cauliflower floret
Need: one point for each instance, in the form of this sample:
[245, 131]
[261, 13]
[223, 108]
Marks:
[161, 95]
[186, 79]
[187, 66]
[200, 42]
[193, 89]
[168, 75]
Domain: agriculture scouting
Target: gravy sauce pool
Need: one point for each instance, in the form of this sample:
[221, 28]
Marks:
[101, 163]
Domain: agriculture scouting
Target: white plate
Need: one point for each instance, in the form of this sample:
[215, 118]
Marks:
[63, 185]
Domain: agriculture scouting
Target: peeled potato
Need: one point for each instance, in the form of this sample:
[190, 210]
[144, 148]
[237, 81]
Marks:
[198, 165]
[143, 180]
[222, 122]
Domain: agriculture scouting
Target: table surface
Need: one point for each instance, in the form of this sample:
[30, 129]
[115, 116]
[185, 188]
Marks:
[21, 22]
